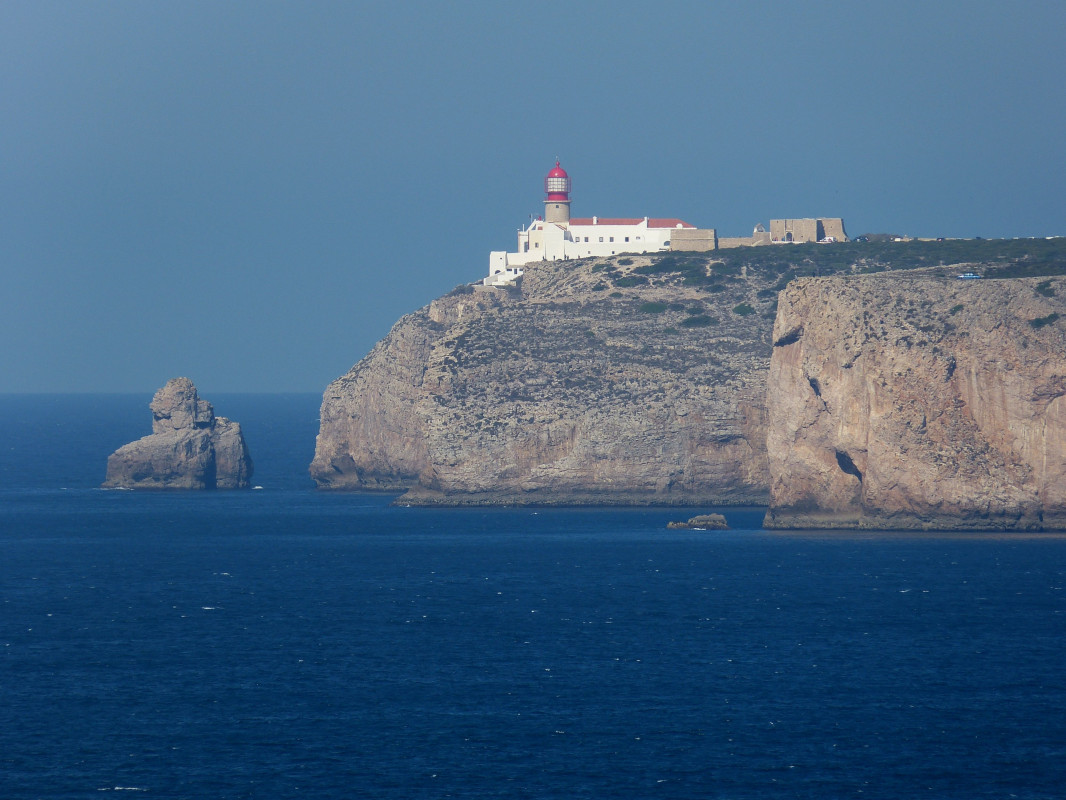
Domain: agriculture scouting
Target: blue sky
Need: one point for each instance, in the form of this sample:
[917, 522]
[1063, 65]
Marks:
[252, 193]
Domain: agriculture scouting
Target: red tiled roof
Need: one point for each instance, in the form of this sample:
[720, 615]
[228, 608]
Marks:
[652, 223]
[606, 221]
[668, 223]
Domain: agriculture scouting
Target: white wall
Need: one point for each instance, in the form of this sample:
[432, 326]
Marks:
[551, 241]
[641, 239]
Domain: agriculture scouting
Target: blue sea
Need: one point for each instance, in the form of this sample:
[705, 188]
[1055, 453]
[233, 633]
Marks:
[282, 643]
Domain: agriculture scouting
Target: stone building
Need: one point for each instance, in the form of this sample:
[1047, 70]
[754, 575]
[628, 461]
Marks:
[807, 230]
[789, 231]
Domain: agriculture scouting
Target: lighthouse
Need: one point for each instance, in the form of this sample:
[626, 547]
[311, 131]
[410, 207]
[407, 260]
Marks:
[558, 236]
[557, 195]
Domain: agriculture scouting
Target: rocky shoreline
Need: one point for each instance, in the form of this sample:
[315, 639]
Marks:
[683, 379]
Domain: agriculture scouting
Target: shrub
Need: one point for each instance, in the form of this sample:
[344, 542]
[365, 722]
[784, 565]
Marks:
[699, 321]
[743, 310]
[1044, 288]
[695, 279]
[1040, 322]
[631, 280]
[956, 309]
[624, 262]
[693, 267]
[652, 308]
[616, 294]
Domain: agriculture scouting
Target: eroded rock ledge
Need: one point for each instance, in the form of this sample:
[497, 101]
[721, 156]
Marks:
[189, 448]
[918, 403]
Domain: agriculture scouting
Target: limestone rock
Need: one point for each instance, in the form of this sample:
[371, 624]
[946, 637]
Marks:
[908, 402]
[565, 392]
[189, 448]
[702, 522]
[624, 380]
[176, 407]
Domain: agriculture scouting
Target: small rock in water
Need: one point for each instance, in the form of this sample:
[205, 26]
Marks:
[703, 522]
[190, 448]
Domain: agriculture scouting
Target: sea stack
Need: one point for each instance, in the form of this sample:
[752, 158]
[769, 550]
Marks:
[189, 448]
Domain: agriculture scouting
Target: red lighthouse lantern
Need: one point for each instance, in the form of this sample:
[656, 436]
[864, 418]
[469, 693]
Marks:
[557, 195]
[557, 185]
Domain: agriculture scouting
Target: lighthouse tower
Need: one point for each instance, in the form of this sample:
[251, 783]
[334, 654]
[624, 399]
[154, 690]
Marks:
[557, 195]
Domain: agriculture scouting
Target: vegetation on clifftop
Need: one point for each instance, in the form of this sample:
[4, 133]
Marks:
[999, 258]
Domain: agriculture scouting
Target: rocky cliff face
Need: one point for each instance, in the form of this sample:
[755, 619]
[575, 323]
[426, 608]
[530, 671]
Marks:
[189, 448]
[909, 402]
[625, 380]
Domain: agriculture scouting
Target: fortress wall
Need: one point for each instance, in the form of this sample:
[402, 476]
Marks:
[808, 230]
[834, 226]
[735, 241]
[802, 230]
[694, 239]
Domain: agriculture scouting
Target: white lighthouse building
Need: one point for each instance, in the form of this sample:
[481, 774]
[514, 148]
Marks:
[558, 236]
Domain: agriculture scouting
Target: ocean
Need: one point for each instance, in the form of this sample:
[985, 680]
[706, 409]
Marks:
[283, 643]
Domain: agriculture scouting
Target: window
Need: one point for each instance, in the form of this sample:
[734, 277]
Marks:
[536, 244]
[627, 238]
[525, 247]
[601, 238]
[612, 238]
[586, 238]
[557, 185]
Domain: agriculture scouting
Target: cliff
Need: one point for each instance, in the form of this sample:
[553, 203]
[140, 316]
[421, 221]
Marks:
[899, 401]
[630, 379]
[624, 380]
[189, 448]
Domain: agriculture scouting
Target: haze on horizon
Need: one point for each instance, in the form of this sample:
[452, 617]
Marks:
[251, 193]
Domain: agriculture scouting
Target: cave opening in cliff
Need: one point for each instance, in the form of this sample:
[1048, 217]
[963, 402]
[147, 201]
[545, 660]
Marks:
[847, 465]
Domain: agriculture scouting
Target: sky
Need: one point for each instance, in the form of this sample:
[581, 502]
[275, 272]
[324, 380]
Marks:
[251, 193]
